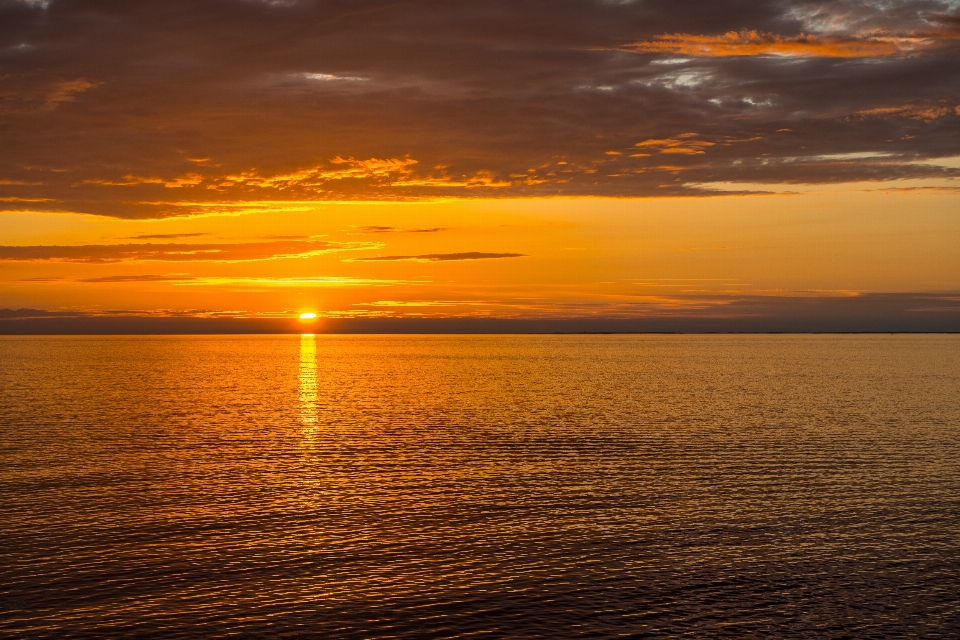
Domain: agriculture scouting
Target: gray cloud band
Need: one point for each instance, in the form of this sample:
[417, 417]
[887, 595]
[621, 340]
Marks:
[442, 257]
[140, 114]
[176, 252]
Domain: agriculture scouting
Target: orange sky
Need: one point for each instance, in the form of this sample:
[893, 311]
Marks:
[507, 258]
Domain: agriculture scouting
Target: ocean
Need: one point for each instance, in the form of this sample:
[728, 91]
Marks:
[480, 486]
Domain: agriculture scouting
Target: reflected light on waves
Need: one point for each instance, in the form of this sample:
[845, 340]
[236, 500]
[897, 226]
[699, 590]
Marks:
[308, 379]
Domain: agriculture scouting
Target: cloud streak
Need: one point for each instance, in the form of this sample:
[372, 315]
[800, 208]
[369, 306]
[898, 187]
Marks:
[387, 229]
[754, 43]
[147, 252]
[120, 279]
[167, 236]
[443, 257]
[247, 282]
[926, 112]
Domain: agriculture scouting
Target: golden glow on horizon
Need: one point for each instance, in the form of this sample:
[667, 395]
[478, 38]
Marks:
[549, 257]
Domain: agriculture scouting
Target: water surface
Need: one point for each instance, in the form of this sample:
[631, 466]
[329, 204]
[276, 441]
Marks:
[480, 486]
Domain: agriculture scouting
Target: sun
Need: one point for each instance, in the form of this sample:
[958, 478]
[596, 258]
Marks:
[308, 316]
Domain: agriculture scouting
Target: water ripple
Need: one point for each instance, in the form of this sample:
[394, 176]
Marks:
[509, 486]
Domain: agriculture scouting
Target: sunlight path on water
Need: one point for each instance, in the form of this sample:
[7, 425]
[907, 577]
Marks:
[308, 379]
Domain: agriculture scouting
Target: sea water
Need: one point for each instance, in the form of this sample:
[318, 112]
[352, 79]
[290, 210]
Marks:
[480, 486]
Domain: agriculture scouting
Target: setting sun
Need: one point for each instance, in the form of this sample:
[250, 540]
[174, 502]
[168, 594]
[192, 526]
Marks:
[308, 316]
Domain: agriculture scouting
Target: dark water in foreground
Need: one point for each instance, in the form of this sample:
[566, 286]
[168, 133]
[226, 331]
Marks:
[553, 487]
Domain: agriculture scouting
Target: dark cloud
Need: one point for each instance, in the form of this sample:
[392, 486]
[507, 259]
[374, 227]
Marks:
[443, 257]
[167, 236]
[6, 314]
[238, 252]
[111, 279]
[863, 313]
[155, 109]
[136, 278]
[381, 229]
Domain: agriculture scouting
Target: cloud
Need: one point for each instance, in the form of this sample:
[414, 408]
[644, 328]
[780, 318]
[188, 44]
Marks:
[443, 257]
[415, 303]
[188, 180]
[390, 170]
[383, 229]
[239, 252]
[167, 236]
[926, 112]
[754, 43]
[67, 91]
[474, 99]
[329, 77]
[685, 143]
[375, 172]
[8, 314]
[41, 4]
[256, 282]
[133, 278]
[306, 281]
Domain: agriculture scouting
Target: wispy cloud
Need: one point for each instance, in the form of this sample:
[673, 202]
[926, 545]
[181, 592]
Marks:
[307, 281]
[387, 172]
[18, 314]
[443, 257]
[245, 281]
[927, 112]
[383, 229]
[686, 143]
[134, 278]
[167, 236]
[67, 91]
[417, 303]
[755, 43]
[330, 77]
[238, 252]
[129, 180]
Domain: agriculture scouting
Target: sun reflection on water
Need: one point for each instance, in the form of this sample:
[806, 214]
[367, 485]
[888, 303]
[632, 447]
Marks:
[308, 379]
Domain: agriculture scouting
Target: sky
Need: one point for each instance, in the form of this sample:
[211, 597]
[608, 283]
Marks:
[561, 160]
